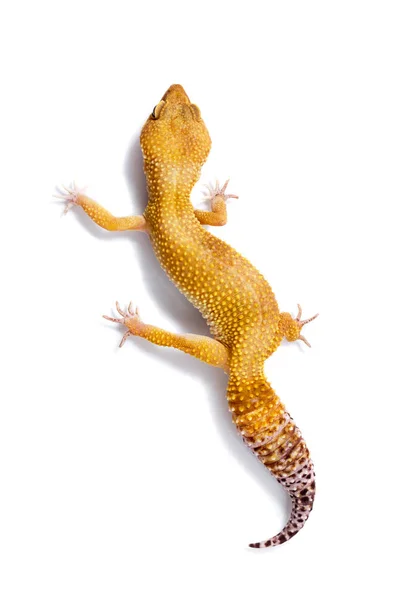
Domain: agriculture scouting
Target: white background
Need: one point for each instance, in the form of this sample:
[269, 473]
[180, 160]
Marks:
[121, 475]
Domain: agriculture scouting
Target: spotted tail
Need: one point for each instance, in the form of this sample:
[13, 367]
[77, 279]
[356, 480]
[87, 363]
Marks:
[275, 439]
[301, 487]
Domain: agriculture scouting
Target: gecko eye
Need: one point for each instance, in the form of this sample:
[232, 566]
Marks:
[157, 109]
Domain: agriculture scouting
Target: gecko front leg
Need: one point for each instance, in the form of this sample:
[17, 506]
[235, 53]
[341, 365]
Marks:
[218, 215]
[74, 197]
[200, 346]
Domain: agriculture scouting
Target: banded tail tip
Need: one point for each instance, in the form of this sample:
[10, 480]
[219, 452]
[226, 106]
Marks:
[301, 488]
[277, 540]
[261, 544]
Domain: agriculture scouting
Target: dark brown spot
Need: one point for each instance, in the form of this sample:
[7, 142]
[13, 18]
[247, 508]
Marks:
[282, 539]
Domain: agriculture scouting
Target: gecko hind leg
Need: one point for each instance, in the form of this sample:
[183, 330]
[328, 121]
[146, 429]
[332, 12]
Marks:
[291, 328]
[218, 215]
[200, 346]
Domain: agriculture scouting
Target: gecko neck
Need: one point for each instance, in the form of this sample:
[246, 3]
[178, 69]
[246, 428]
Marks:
[169, 184]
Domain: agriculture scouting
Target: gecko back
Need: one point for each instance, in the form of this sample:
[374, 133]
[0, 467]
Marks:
[237, 302]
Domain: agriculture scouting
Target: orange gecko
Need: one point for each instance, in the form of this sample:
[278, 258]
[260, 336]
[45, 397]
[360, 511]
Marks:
[235, 299]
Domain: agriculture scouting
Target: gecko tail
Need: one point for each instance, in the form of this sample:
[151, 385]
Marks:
[301, 488]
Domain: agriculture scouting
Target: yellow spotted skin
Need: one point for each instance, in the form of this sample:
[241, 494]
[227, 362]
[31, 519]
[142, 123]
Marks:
[235, 299]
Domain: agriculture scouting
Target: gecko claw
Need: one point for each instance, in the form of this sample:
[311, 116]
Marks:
[299, 313]
[130, 318]
[304, 322]
[70, 195]
[303, 339]
[217, 191]
[124, 338]
[119, 309]
[113, 319]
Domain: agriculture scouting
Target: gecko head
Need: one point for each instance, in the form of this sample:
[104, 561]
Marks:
[175, 133]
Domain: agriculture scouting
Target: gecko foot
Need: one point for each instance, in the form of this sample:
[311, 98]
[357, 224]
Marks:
[70, 195]
[130, 318]
[218, 193]
[291, 327]
[301, 323]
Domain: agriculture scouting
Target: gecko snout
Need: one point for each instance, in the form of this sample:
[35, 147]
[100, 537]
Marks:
[175, 94]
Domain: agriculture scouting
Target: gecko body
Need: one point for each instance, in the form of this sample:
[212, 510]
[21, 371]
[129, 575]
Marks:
[235, 299]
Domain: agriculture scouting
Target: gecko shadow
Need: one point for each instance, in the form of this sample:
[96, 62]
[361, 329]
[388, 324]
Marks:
[171, 302]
